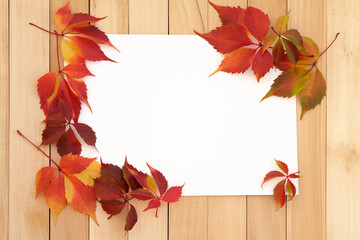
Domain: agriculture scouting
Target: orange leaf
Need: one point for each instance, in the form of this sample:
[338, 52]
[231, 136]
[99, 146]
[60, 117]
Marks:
[237, 61]
[55, 196]
[47, 88]
[279, 193]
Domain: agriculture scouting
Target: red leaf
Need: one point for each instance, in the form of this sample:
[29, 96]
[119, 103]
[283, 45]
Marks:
[79, 19]
[269, 40]
[143, 179]
[88, 49]
[47, 88]
[279, 193]
[131, 181]
[237, 61]
[227, 38]
[272, 174]
[43, 178]
[86, 133]
[173, 194]
[230, 15]
[68, 143]
[131, 218]
[54, 120]
[77, 70]
[142, 194]
[52, 134]
[72, 164]
[112, 207]
[257, 23]
[79, 90]
[294, 175]
[262, 63]
[65, 109]
[93, 33]
[160, 180]
[111, 184]
[282, 166]
[155, 203]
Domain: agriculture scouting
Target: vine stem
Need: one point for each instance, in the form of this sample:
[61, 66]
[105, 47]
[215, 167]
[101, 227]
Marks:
[42, 28]
[330, 44]
[39, 150]
[57, 50]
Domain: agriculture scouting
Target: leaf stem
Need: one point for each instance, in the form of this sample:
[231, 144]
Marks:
[57, 49]
[330, 44]
[39, 150]
[42, 28]
[272, 28]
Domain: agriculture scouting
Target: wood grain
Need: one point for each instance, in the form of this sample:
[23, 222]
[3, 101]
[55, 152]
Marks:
[29, 60]
[306, 213]
[230, 210]
[149, 17]
[343, 129]
[71, 224]
[117, 13]
[263, 220]
[188, 219]
[4, 120]
[227, 218]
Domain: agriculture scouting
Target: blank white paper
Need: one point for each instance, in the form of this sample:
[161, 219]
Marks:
[157, 104]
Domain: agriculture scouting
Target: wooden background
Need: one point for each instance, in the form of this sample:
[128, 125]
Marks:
[328, 137]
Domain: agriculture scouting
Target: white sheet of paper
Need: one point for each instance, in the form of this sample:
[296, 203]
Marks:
[159, 105]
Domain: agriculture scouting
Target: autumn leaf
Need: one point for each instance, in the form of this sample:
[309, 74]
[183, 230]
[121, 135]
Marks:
[241, 38]
[80, 38]
[70, 182]
[60, 130]
[155, 188]
[284, 186]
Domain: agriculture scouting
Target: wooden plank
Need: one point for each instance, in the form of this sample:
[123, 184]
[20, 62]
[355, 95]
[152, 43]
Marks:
[185, 16]
[343, 118]
[29, 60]
[4, 120]
[227, 218]
[228, 211]
[306, 213]
[149, 17]
[71, 224]
[117, 13]
[263, 221]
[187, 217]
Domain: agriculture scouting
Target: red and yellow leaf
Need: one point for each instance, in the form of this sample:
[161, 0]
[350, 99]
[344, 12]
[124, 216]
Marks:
[43, 178]
[160, 180]
[55, 196]
[279, 193]
[271, 175]
[283, 166]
